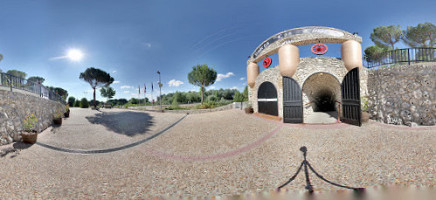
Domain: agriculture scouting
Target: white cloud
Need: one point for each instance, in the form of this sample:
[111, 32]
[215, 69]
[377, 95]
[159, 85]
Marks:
[244, 84]
[175, 83]
[242, 78]
[223, 76]
[212, 87]
[234, 88]
[126, 92]
[115, 82]
[115, 71]
[147, 44]
[126, 87]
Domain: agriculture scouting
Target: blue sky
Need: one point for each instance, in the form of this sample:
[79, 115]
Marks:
[133, 39]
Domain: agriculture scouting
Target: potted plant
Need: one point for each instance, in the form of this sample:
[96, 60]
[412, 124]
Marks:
[249, 110]
[67, 111]
[30, 134]
[57, 117]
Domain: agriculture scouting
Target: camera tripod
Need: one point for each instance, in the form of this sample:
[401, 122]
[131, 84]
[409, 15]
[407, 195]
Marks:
[309, 187]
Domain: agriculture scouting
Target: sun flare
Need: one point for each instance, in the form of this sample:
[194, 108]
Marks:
[75, 55]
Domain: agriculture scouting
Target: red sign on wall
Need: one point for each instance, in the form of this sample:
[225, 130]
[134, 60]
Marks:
[267, 62]
[319, 49]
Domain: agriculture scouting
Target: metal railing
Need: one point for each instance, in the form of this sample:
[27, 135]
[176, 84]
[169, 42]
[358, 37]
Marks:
[401, 56]
[11, 81]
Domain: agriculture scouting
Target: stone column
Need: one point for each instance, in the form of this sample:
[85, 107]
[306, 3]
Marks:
[289, 58]
[252, 73]
[351, 53]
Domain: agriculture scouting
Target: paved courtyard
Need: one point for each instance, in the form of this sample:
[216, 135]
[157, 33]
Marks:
[205, 155]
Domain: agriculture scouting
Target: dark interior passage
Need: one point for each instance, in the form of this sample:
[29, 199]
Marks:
[324, 101]
[322, 90]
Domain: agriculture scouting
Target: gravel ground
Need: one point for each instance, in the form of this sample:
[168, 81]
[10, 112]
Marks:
[212, 154]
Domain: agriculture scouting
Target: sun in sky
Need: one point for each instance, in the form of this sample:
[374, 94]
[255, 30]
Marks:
[75, 55]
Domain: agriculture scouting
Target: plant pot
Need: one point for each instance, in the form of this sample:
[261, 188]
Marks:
[57, 121]
[67, 114]
[29, 137]
[249, 110]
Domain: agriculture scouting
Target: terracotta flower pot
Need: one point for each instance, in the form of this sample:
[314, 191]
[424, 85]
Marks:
[67, 114]
[58, 121]
[29, 137]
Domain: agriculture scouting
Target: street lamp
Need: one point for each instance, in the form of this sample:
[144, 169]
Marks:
[160, 91]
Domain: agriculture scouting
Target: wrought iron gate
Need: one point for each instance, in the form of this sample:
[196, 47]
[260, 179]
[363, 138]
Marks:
[292, 101]
[267, 99]
[351, 98]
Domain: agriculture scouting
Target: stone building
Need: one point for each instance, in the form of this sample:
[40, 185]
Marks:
[297, 88]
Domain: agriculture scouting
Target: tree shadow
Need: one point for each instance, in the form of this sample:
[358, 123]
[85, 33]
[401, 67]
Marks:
[126, 123]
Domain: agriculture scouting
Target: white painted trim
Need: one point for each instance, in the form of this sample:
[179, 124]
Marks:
[272, 99]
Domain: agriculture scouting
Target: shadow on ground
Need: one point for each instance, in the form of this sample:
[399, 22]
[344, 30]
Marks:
[126, 123]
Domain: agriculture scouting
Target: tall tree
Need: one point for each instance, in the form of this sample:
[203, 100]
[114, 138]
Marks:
[374, 53]
[60, 91]
[423, 35]
[36, 79]
[202, 76]
[387, 36]
[107, 92]
[71, 101]
[17, 73]
[96, 78]
[245, 93]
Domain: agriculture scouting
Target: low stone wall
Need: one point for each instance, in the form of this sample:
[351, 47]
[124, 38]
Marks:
[403, 94]
[16, 105]
[234, 105]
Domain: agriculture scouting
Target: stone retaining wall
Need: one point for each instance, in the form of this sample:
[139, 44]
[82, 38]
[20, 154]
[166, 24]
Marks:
[16, 105]
[403, 94]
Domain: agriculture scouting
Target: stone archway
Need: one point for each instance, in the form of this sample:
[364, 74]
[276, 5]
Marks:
[323, 91]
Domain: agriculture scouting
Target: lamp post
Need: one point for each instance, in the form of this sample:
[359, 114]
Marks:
[160, 91]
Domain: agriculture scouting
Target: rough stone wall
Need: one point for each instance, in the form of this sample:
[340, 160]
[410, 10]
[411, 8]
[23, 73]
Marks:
[403, 94]
[15, 106]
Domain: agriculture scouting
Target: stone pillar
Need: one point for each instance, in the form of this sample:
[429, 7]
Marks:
[252, 72]
[289, 58]
[351, 53]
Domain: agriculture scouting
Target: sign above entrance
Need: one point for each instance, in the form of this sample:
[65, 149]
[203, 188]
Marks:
[319, 49]
[267, 62]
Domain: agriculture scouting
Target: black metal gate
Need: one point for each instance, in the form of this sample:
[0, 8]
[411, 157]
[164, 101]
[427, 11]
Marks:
[292, 101]
[267, 99]
[351, 98]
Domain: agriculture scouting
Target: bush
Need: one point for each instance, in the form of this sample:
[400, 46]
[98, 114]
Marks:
[84, 103]
[77, 103]
[71, 101]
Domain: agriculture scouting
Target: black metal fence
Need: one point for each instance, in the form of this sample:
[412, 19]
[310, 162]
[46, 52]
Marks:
[11, 81]
[401, 56]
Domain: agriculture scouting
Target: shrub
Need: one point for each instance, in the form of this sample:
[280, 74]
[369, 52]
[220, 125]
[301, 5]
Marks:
[84, 103]
[29, 123]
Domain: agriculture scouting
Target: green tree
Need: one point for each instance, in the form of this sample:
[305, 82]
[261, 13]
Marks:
[238, 97]
[77, 103]
[84, 103]
[59, 91]
[96, 78]
[17, 73]
[387, 36]
[374, 53]
[71, 101]
[245, 93]
[107, 92]
[202, 76]
[423, 35]
[36, 79]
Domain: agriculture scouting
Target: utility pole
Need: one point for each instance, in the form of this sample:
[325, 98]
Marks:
[160, 91]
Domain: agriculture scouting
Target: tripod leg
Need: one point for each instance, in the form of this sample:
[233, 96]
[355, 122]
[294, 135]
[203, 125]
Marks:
[292, 178]
[335, 184]
[306, 172]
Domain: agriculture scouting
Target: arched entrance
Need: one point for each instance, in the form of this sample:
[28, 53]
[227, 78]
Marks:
[323, 91]
[267, 99]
